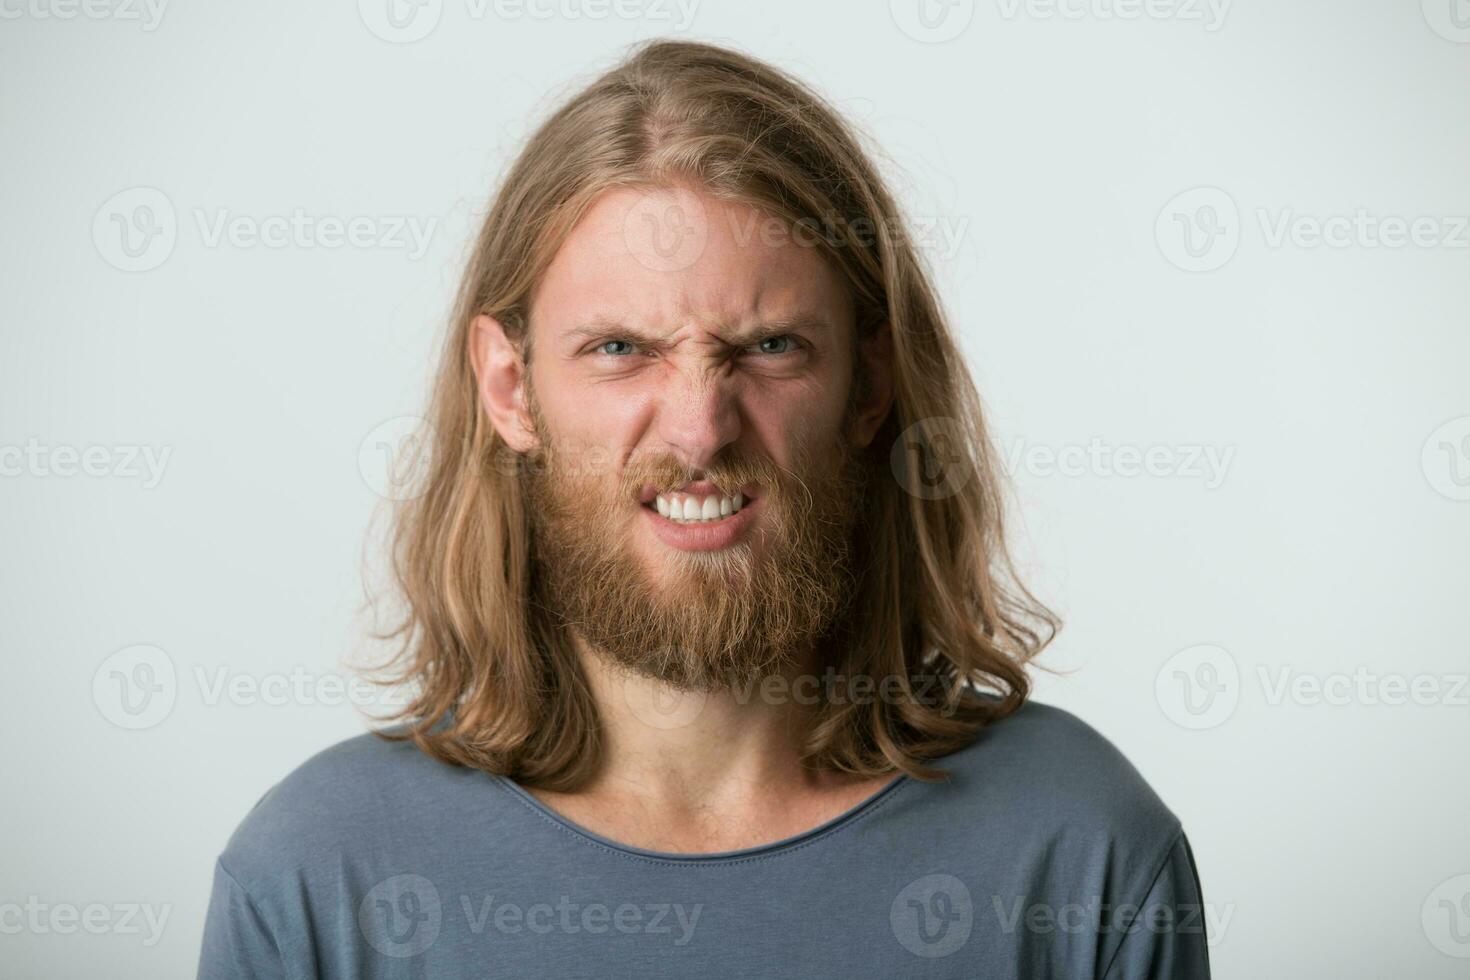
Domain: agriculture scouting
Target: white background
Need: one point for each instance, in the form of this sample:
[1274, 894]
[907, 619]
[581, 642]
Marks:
[1047, 152]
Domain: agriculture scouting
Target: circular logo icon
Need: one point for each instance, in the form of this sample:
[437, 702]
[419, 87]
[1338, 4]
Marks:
[932, 916]
[136, 687]
[401, 916]
[400, 21]
[1446, 917]
[135, 230]
[394, 458]
[931, 459]
[1199, 230]
[666, 231]
[1198, 687]
[1450, 19]
[932, 21]
[659, 705]
[1446, 459]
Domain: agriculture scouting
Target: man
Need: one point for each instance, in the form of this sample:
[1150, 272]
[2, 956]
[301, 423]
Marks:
[718, 661]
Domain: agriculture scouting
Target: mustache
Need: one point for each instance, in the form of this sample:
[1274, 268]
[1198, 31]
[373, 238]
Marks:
[735, 468]
[732, 470]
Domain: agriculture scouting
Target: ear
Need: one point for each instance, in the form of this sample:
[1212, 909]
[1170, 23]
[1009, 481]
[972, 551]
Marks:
[876, 353]
[500, 376]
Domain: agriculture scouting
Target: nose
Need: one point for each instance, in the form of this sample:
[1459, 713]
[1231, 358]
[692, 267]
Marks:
[699, 417]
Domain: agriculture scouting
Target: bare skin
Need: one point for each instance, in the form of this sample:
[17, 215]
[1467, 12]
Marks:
[688, 771]
[724, 776]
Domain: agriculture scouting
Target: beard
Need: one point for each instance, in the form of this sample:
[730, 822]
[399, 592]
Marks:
[707, 620]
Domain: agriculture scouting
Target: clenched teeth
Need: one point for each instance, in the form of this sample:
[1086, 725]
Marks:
[692, 508]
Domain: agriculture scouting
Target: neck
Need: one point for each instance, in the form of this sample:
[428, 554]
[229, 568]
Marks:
[704, 772]
[683, 749]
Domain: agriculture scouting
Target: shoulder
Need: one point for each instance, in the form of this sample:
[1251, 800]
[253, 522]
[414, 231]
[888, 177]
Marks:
[1057, 821]
[345, 799]
[1046, 766]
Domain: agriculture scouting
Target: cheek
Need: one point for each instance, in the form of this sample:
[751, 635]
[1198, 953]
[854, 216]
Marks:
[791, 413]
[580, 409]
[593, 427]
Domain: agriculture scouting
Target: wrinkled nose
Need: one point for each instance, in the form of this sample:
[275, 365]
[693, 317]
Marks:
[698, 419]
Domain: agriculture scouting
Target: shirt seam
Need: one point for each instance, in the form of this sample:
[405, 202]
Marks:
[254, 909]
[703, 861]
[1168, 853]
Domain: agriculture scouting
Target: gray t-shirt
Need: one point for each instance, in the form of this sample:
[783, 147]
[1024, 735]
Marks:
[1046, 855]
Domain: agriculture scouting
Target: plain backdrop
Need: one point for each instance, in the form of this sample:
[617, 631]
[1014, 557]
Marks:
[1208, 262]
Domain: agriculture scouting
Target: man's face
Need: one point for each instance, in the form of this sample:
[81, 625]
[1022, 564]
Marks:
[694, 493]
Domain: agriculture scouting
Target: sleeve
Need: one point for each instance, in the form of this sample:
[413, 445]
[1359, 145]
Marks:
[237, 943]
[1167, 938]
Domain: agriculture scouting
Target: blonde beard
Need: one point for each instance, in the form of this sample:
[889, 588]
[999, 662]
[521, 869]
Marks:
[710, 620]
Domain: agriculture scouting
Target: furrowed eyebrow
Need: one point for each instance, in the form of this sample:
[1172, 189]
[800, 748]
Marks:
[600, 327]
[796, 323]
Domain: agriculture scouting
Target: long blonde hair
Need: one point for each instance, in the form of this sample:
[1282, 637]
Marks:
[495, 684]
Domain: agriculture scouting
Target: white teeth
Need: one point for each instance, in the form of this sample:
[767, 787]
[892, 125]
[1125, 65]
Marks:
[691, 508]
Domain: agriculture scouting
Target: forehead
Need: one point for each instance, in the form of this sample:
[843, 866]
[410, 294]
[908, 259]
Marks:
[667, 258]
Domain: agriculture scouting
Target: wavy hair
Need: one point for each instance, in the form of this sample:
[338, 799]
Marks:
[495, 685]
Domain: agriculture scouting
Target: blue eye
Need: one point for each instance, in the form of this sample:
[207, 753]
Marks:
[772, 346]
[787, 338]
